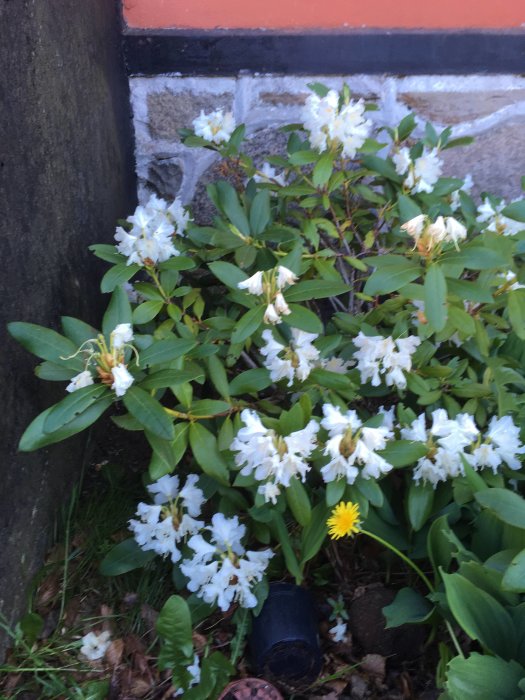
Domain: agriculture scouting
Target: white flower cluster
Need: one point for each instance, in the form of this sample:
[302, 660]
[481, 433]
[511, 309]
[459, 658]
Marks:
[421, 174]
[427, 235]
[162, 526]
[150, 239]
[119, 377]
[216, 126]
[94, 645]
[221, 571]
[448, 439]
[272, 458]
[352, 447]
[490, 215]
[330, 124]
[271, 284]
[385, 356]
[294, 361]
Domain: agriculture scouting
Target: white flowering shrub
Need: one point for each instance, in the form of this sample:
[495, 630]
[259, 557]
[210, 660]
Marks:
[349, 327]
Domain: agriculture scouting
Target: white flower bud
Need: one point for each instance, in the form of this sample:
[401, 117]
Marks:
[122, 334]
[280, 305]
[415, 226]
[455, 231]
[122, 379]
[285, 276]
[254, 284]
[271, 315]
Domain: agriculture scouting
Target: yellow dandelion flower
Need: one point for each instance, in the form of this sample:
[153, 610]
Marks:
[344, 520]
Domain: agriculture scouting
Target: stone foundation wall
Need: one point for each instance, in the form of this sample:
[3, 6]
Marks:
[490, 108]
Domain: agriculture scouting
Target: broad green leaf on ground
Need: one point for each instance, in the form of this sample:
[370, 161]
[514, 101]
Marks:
[483, 677]
[408, 607]
[174, 625]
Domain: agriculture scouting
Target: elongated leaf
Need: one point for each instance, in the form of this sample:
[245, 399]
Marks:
[218, 375]
[228, 274]
[123, 557]
[472, 291]
[251, 381]
[304, 319]
[383, 167]
[506, 505]
[483, 677]
[514, 577]
[116, 275]
[314, 534]
[480, 615]
[34, 436]
[170, 377]
[72, 406]
[44, 343]
[477, 257]
[408, 209]
[316, 289]
[248, 324]
[165, 351]
[229, 203]
[77, 331]
[408, 607]
[174, 625]
[260, 212]
[118, 311]
[403, 453]
[54, 373]
[330, 380]
[148, 412]
[390, 278]
[208, 407]
[206, 452]
[420, 501]
[146, 311]
[107, 252]
[286, 545]
[435, 297]
[515, 211]
[298, 502]
[323, 169]
[516, 307]
[178, 262]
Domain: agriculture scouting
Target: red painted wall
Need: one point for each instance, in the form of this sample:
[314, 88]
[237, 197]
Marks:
[311, 14]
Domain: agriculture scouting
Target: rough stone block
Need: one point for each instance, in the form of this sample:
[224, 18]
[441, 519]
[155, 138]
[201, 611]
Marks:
[456, 107]
[496, 159]
[170, 111]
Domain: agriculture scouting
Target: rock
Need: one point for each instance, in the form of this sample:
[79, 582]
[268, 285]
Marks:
[461, 106]
[164, 177]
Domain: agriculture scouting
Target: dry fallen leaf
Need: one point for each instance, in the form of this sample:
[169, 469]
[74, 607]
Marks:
[114, 652]
[374, 664]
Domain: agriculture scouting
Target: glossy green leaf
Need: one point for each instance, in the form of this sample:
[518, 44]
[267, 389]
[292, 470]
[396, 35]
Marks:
[323, 169]
[206, 452]
[390, 278]
[408, 607]
[250, 381]
[315, 289]
[72, 406]
[174, 625]
[506, 505]
[298, 501]
[123, 557]
[403, 453]
[304, 319]
[260, 212]
[483, 677]
[44, 343]
[435, 290]
[162, 351]
[170, 377]
[248, 324]
[516, 308]
[228, 274]
[118, 311]
[147, 311]
[514, 577]
[229, 202]
[149, 412]
[314, 534]
[116, 275]
[420, 502]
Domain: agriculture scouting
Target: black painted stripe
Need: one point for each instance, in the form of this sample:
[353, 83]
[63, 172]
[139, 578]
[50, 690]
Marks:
[226, 52]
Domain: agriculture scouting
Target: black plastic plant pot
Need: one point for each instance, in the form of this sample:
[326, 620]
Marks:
[284, 642]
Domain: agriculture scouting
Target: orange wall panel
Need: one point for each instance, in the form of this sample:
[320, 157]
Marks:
[332, 14]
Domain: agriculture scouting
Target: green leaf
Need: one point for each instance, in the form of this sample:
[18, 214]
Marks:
[442, 544]
[435, 297]
[406, 126]
[390, 278]
[304, 319]
[298, 501]
[320, 89]
[72, 406]
[323, 169]
[248, 324]
[123, 557]
[515, 211]
[250, 381]
[178, 262]
[314, 534]
[420, 502]
[316, 289]
[208, 407]
[330, 380]
[77, 331]
[283, 537]
[54, 373]
[403, 453]
[118, 311]
[149, 412]
[260, 212]
[116, 275]
[171, 377]
[472, 291]
[480, 615]
[218, 375]
[146, 311]
[514, 577]
[476, 257]
[483, 677]
[506, 505]
[516, 307]
[31, 625]
[166, 350]
[167, 454]
[383, 167]
[408, 607]
[229, 203]
[44, 343]
[174, 625]
[408, 209]
[95, 690]
[206, 452]
[107, 252]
